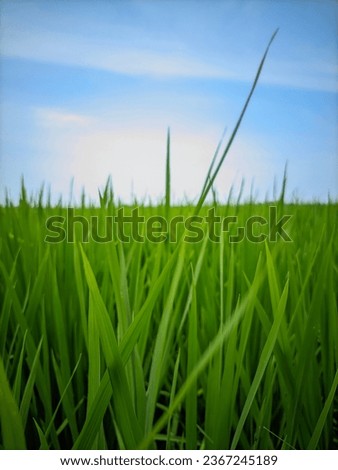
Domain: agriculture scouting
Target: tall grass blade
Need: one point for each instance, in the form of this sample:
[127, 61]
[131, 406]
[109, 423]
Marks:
[234, 132]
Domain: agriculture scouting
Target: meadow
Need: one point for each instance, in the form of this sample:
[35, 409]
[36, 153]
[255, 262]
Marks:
[172, 344]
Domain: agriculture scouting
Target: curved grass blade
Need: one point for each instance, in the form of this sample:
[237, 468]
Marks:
[212, 178]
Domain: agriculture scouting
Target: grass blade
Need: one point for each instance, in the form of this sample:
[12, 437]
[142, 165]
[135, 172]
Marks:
[11, 424]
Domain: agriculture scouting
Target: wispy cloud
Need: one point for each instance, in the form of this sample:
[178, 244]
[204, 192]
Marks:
[68, 50]
[307, 72]
[52, 117]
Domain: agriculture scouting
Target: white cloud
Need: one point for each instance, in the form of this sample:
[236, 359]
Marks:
[48, 117]
[60, 48]
[309, 74]
[306, 70]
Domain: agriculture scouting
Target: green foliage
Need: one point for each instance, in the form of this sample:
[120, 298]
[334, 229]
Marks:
[171, 345]
[126, 345]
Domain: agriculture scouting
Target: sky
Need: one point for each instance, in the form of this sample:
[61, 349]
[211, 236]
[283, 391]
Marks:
[89, 89]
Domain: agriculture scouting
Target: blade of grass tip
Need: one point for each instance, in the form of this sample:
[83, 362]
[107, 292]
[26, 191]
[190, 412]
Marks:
[40, 196]
[43, 441]
[23, 194]
[240, 193]
[167, 177]
[11, 424]
[285, 177]
[234, 132]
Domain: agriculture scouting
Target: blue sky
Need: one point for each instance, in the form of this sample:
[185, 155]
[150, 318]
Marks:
[89, 89]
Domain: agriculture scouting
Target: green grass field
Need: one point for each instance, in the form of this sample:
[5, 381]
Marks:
[168, 345]
[173, 345]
